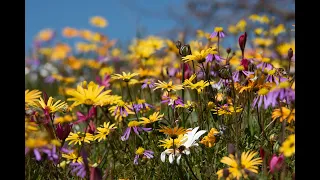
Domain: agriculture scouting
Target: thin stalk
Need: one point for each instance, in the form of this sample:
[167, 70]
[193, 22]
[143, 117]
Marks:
[132, 101]
[185, 157]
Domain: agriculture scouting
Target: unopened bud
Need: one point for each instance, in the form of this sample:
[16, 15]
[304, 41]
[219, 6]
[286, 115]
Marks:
[178, 44]
[242, 42]
[224, 73]
[228, 50]
[290, 53]
[231, 149]
[185, 50]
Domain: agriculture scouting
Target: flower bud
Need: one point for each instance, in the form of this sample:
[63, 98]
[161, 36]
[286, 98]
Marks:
[185, 50]
[231, 149]
[228, 50]
[63, 131]
[242, 42]
[224, 73]
[178, 44]
[290, 53]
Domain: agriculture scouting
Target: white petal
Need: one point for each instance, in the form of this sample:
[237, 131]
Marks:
[171, 158]
[163, 156]
[186, 151]
[178, 159]
[198, 134]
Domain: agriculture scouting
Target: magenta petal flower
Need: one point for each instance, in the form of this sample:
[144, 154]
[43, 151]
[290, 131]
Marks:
[276, 163]
[105, 81]
[82, 117]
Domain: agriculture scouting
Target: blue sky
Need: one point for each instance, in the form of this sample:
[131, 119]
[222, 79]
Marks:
[122, 15]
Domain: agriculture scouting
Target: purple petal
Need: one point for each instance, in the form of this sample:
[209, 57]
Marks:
[37, 154]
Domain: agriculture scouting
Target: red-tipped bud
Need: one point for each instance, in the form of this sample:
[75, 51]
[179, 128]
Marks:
[242, 42]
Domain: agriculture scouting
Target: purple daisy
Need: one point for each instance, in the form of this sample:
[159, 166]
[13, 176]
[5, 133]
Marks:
[141, 152]
[51, 154]
[148, 83]
[135, 126]
[79, 169]
[212, 57]
[236, 75]
[172, 100]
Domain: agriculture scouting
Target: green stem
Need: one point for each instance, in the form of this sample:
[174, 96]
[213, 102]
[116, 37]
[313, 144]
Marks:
[132, 101]
[185, 157]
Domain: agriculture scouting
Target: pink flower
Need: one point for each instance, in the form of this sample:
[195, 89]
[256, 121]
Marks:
[276, 163]
[82, 117]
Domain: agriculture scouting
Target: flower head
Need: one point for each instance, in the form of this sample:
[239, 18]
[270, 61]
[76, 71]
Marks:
[125, 77]
[49, 107]
[135, 126]
[173, 132]
[288, 146]
[141, 152]
[284, 114]
[79, 138]
[99, 21]
[239, 165]
[210, 139]
[148, 83]
[104, 131]
[167, 86]
[199, 56]
[31, 96]
[88, 94]
[152, 118]
[218, 32]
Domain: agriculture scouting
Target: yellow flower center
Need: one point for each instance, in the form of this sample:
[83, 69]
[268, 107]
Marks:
[88, 102]
[140, 151]
[271, 72]
[240, 68]
[266, 60]
[133, 123]
[218, 29]
[263, 91]
[284, 84]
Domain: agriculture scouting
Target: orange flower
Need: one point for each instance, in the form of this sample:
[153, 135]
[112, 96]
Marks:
[99, 21]
[173, 132]
[45, 35]
[69, 32]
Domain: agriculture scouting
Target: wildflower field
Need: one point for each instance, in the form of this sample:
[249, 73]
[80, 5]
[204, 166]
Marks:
[162, 108]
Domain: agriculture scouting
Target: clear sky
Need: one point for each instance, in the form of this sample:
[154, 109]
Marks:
[122, 15]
